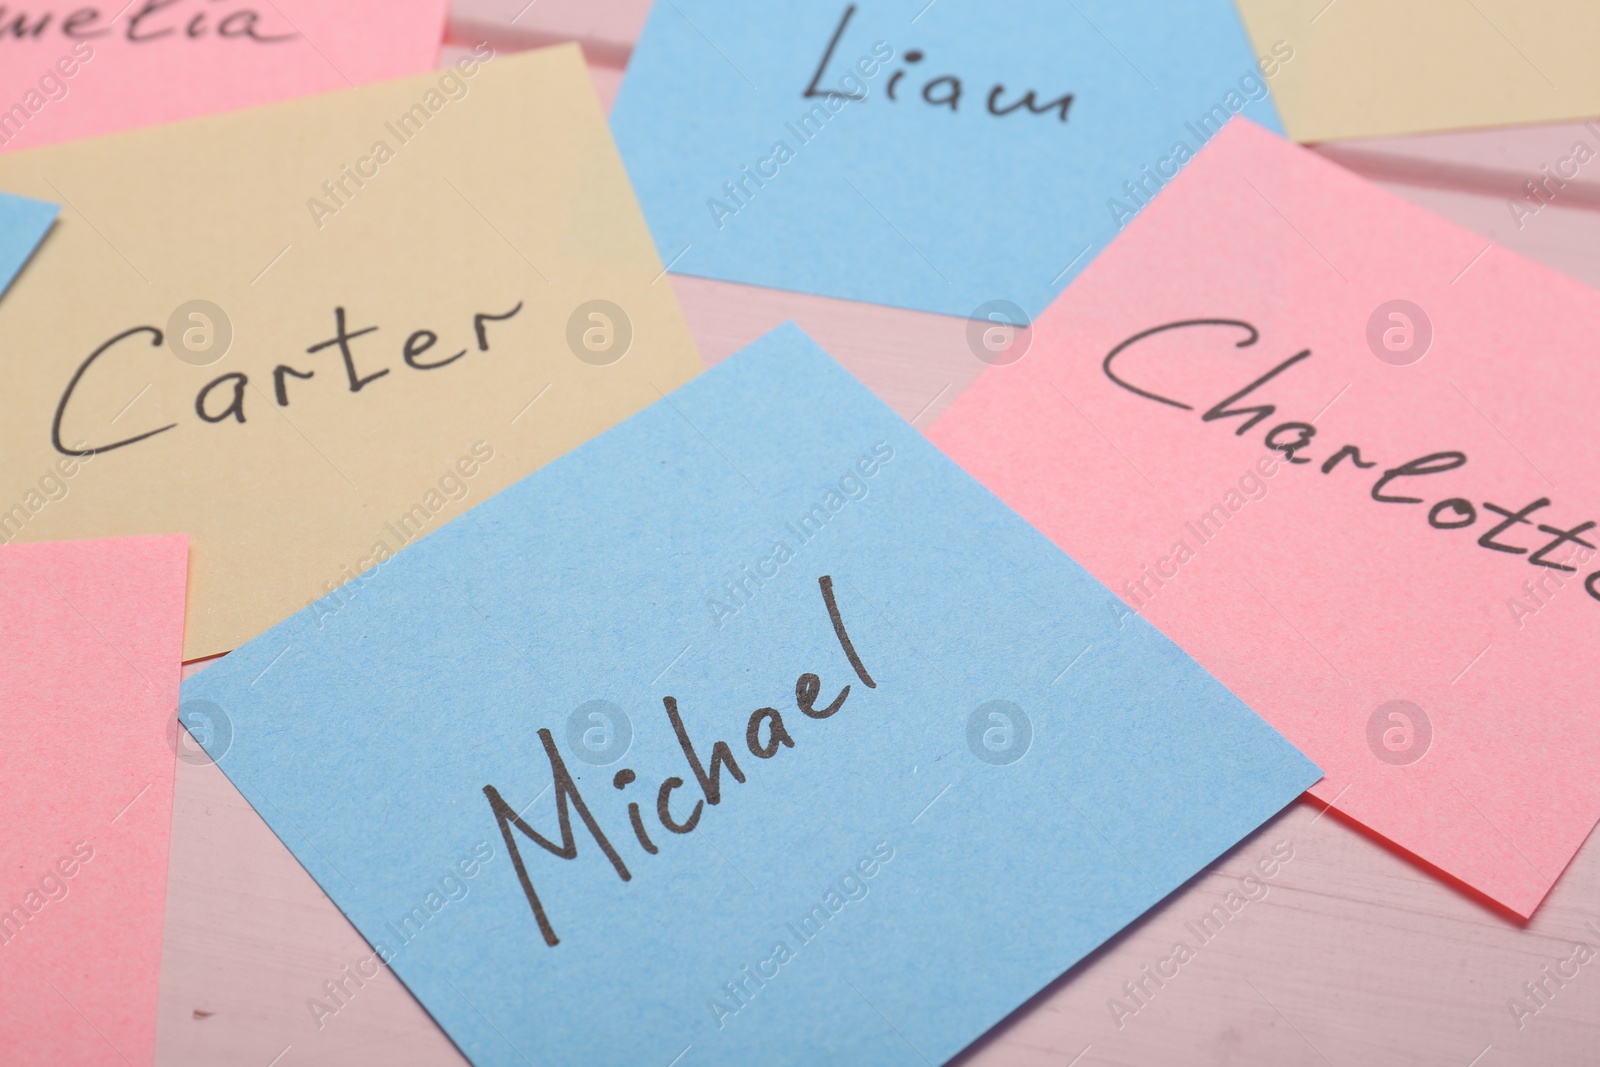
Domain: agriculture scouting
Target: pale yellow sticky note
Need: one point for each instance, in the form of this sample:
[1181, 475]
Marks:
[1371, 68]
[473, 230]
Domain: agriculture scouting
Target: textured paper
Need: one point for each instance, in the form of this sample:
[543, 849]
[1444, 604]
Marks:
[606, 29]
[660, 582]
[1315, 602]
[75, 70]
[91, 634]
[505, 191]
[904, 202]
[23, 224]
[1371, 68]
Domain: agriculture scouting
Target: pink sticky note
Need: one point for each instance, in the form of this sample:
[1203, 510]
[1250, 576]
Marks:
[1428, 653]
[72, 70]
[91, 646]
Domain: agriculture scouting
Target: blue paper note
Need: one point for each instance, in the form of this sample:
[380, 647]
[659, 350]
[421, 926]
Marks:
[961, 763]
[23, 224]
[774, 144]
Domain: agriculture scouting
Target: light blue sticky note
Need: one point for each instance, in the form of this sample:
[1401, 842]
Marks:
[23, 224]
[772, 143]
[926, 762]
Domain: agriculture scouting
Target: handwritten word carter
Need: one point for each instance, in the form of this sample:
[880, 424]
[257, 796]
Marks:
[223, 397]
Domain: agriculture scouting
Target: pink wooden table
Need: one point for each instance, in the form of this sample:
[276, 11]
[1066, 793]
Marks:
[1353, 957]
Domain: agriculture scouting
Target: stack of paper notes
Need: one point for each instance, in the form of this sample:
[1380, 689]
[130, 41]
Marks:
[639, 705]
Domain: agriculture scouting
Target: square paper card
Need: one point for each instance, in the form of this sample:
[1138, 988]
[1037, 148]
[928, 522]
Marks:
[70, 70]
[91, 636]
[954, 157]
[753, 727]
[310, 333]
[1343, 452]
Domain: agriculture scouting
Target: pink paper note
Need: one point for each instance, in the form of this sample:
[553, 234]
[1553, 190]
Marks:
[91, 644]
[1424, 650]
[71, 70]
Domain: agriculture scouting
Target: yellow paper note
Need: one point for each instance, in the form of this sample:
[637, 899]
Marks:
[310, 333]
[1371, 68]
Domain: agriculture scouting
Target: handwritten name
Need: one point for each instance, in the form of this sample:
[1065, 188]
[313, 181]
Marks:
[1294, 438]
[223, 397]
[765, 736]
[943, 90]
[152, 22]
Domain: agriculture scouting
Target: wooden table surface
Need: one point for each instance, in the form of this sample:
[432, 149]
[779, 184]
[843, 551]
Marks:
[1355, 956]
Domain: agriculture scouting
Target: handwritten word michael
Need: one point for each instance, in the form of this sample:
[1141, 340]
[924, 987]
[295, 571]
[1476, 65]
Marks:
[765, 736]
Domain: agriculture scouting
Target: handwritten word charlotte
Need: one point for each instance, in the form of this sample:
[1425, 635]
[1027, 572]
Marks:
[766, 734]
[1504, 521]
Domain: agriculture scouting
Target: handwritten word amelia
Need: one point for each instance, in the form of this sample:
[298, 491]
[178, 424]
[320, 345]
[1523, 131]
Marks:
[807, 689]
[149, 24]
[1392, 486]
[230, 403]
